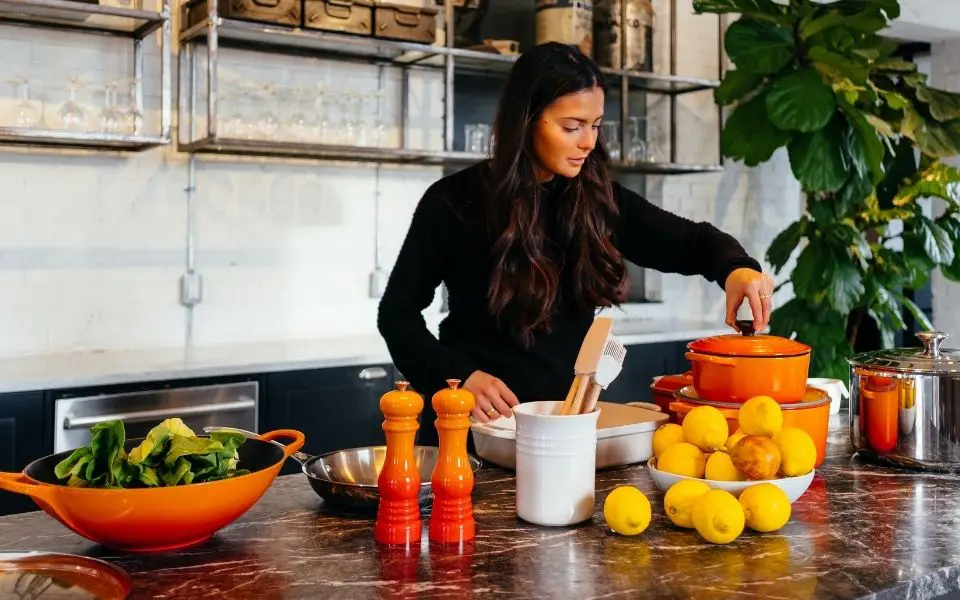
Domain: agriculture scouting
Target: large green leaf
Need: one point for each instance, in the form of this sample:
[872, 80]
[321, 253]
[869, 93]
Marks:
[895, 65]
[837, 66]
[940, 140]
[758, 9]
[853, 7]
[866, 143]
[818, 159]
[812, 27]
[952, 271]
[759, 47]
[944, 106]
[845, 286]
[736, 85]
[825, 274]
[936, 241]
[916, 250]
[800, 101]
[748, 134]
[901, 167]
[785, 243]
[918, 315]
[939, 181]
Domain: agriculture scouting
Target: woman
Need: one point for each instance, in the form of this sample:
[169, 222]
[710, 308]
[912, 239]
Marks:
[532, 242]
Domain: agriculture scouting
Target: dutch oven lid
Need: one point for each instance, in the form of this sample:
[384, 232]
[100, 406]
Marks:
[748, 343]
[931, 358]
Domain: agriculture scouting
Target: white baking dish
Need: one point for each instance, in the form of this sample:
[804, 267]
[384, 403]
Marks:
[624, 436]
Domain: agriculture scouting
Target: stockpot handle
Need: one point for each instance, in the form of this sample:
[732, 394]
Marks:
[932, 340]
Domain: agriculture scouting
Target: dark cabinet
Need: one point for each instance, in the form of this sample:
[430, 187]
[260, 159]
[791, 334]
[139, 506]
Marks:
[644, 362]
[22, 440]
[335, 408]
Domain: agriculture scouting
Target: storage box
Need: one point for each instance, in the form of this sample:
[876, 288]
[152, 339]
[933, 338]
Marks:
[624, 436]
[405, 23]
[343, 16]
[275, 12]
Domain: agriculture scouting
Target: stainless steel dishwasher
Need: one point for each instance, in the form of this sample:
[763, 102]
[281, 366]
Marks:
[227, 404]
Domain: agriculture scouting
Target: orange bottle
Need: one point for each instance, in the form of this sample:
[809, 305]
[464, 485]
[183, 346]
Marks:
[398, 514]
[451, 520]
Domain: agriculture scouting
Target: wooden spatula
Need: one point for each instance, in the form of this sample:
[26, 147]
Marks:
[591, 350]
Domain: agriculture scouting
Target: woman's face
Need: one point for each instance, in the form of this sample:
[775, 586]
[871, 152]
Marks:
[567, 132]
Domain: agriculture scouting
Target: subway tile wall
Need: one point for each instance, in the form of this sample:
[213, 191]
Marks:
[92, 245]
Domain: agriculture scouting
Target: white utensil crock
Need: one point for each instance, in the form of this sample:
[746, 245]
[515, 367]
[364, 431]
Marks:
[836, 388]
[556, 464]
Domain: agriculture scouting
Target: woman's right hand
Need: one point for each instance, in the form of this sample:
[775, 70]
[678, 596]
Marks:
[494, 398]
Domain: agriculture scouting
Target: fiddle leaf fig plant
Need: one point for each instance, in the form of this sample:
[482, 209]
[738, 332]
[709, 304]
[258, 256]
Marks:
[865, 135]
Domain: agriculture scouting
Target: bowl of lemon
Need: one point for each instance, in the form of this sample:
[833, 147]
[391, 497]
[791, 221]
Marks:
[761, 451]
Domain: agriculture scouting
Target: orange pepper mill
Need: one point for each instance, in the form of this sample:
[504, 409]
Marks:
[451, 520]
[398, 513]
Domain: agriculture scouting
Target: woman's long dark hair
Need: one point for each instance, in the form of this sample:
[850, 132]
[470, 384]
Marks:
[526, 270]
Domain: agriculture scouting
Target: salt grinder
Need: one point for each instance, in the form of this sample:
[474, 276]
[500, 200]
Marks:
[451, 520]
[398, 513]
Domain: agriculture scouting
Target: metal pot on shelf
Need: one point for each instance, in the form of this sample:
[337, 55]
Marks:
[905, 405]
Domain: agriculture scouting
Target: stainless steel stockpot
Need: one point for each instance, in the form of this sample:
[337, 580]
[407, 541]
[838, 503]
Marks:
[905, 405]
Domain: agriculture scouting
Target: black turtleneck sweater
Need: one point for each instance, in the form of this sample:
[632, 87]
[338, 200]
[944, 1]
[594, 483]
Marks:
[444, 246]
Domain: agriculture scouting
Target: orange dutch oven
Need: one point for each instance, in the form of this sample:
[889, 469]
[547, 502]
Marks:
[736, 367]
[160, 518]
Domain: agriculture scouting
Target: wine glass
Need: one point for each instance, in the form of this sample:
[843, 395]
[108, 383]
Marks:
[28, 113]
[71, 114]
[110, 116]
[611, 138]
[132, 118]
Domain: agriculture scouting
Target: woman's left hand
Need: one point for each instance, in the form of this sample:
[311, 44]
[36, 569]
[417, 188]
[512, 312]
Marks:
[757, 288]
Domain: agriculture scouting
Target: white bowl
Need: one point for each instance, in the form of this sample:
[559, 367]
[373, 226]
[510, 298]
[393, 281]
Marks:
[793, 486]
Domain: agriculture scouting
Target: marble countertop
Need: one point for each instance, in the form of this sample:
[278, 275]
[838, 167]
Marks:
[860, 531]
[58, 371]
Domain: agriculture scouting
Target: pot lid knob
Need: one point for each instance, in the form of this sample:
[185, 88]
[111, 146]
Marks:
[932, 340]
[745, 327]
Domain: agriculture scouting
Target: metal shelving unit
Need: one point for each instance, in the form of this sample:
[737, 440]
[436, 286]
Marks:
[215, 32]
[96, 19]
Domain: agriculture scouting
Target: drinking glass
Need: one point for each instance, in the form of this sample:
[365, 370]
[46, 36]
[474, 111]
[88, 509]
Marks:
[110, 115]
[611, 138]
[637, 150]
[28, 113]
[132, 117]
[477, 138]
[71, 114]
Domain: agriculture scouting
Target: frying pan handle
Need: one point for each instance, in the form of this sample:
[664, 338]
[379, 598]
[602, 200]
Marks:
[19, 484]
[724, 361]
[298, 440]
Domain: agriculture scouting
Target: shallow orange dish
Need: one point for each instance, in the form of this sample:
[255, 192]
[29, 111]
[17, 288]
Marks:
[161, 518]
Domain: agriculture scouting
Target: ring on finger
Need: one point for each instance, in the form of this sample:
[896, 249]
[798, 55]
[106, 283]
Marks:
[491, 412]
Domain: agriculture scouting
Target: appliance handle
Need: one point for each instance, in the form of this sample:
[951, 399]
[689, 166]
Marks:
[373, 373]
[70, 422]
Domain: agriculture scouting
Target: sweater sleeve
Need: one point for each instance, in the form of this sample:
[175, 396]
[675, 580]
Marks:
[655, 238]
[425, 257]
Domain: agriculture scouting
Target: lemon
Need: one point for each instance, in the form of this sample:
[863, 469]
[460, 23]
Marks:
[718, 517]
[666, 436]
[720, 467]
[682, 459]
[705, 428]
[626, 510]
[765, 507]
[797, 452]
[678, 501]
[733, 439]
[760, 415]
